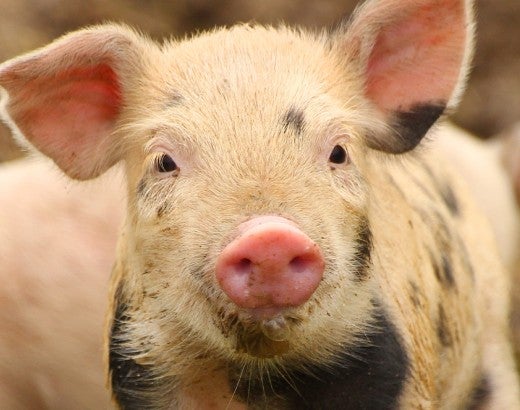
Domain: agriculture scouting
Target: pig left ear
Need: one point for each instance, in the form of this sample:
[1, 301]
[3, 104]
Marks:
[414, 57]
[66, 99]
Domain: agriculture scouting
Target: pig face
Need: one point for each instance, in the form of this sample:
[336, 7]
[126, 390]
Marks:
[204, 186]
[248, 155]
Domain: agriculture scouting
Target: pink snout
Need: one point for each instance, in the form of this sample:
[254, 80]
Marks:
[269, 264]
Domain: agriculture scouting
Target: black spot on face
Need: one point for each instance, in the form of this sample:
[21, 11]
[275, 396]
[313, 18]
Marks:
[175, 99]
[363, 252]
[480, 394]
[295, 119]
[443, 331]
[367, 376]
[409, 127]
[130, 381]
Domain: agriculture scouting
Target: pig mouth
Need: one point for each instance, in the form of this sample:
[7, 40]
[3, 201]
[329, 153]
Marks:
[263, 335]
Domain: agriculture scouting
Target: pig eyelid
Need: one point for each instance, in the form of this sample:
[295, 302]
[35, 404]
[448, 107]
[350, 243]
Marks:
[336, 150]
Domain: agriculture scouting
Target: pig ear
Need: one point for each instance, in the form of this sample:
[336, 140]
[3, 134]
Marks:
[65, 99]
[413, 56]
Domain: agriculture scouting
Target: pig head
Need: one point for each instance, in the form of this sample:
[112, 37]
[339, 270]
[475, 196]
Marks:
[279, 210]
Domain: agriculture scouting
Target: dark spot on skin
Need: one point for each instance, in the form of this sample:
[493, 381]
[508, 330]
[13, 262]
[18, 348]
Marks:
[443, 331]
[445, 191]
[175, 99]
[447, 270]
[409, 128]
[443, 270]
[141, 186]
[440, 259]
[450, 200]
[130, 381]
[480, 395]
[437, 271]
[415, 294]
[161, 209]
[293, 118]
[368, 375]
[363, 251]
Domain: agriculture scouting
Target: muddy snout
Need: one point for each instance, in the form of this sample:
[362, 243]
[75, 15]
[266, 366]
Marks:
[269, 265]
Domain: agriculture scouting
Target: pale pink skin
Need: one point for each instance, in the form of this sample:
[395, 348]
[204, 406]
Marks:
[270, 263]
[58, 242]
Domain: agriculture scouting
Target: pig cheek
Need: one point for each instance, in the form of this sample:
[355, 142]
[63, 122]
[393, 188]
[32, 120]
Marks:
[350, 188]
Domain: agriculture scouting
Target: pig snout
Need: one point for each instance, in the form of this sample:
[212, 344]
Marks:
[270, 264]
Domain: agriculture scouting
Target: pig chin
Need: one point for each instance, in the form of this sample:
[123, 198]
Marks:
[263, 332]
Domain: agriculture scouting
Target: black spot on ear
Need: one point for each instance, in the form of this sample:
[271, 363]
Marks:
[443, 331]
[370, 375]
[294, 118]
[480, 395]
[130, 381]
[363, 251]
[408, 128]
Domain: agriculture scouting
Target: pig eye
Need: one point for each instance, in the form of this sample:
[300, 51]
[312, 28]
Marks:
[165, 163]
[338, 155]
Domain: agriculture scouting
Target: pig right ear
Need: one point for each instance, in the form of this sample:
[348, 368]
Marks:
[412, 56]
[66, 99]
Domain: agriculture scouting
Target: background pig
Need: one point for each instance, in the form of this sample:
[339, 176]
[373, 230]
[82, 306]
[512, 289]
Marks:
[489, 170]
[381, 287]
[56, 251]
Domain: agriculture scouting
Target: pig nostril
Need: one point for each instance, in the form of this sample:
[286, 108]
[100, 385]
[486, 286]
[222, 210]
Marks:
[298, 264]
[243, 266]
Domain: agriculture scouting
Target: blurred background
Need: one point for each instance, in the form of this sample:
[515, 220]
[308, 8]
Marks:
[491, 103]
